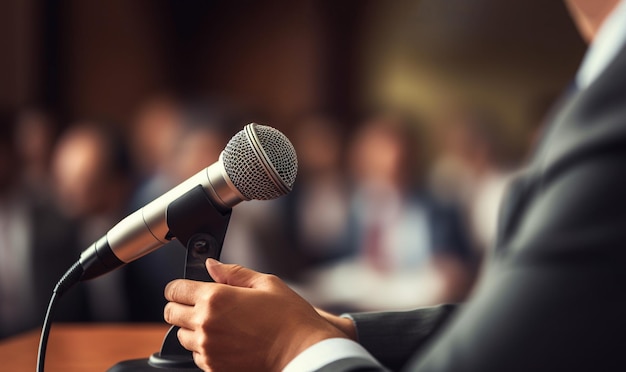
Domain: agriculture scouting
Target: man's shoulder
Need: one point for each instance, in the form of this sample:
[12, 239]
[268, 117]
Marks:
[571, 195]
[591, 124]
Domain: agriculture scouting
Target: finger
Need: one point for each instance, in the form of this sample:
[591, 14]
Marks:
[234, 275]
[178, 315]
[187, 339]
[182, 291]
[201, 361]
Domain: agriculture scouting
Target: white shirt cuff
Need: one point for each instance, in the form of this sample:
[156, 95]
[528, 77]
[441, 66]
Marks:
[325, 352]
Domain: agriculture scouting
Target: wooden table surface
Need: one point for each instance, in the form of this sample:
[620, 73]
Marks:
[82, 347]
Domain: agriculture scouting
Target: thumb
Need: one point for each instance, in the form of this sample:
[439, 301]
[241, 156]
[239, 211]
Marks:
[235, 275]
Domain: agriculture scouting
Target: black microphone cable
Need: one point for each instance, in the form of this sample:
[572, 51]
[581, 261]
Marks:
[69, 279]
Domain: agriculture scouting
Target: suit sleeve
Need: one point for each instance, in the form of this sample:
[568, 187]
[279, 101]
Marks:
[392, 337]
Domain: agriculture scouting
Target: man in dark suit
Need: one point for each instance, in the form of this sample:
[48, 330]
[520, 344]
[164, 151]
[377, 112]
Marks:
[552, 298]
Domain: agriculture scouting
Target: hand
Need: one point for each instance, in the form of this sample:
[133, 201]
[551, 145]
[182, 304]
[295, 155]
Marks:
[244, 321]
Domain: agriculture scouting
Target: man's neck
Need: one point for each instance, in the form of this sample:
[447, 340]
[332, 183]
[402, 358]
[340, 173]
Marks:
[590, 14]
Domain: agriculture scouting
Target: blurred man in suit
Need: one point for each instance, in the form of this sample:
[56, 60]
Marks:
[91, 174]
[37, 244]
[551, 299]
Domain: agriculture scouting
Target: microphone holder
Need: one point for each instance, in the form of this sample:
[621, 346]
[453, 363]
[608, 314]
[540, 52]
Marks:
[201, 227]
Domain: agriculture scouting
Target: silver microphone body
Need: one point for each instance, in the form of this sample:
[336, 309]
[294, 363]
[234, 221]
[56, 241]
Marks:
[146, 229]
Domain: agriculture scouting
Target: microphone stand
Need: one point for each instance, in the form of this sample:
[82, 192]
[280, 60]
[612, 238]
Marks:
[201, 227]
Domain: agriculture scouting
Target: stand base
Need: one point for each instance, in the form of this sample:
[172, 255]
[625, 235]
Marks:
[155, 363]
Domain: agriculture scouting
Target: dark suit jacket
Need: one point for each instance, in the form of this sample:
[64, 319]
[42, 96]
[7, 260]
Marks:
[553, 297]
[53, 250]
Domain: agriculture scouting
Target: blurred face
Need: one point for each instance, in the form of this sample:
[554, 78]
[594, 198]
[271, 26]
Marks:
[155, 130]
[458, 141]
[377, 156]
[318, 147]
[197, 151]
[78, 174]
[34, 137]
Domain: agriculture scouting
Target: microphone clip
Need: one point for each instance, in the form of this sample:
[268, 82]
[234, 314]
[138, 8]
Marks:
[201, 227]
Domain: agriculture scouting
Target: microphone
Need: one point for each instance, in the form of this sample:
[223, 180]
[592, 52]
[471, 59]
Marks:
[258, 163]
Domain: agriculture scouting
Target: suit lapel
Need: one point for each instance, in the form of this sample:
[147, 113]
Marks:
[511, 209]
[587, 124]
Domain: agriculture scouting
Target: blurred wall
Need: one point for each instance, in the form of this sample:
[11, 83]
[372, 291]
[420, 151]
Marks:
[509, 57]
[285, 58]
[85, 59]
[20, 49]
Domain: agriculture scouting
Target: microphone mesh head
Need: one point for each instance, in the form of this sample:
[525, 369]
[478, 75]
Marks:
[261, 162]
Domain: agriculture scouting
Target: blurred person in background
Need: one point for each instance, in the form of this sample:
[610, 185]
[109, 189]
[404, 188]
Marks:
[204, 133]
[157, 125]
[155, 132]
[93, 182]
[471, 170]
[35, 136]
[409, 248]
[316, 210]
[37, 244]
[256, 237]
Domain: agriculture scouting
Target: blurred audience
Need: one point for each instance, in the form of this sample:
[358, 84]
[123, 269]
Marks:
[365, 225]
[91, 172]
[402, 237]
[37, 243]
[318, 205]
[313, 216]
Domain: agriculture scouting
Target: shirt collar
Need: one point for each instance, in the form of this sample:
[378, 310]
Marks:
[608, 41]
